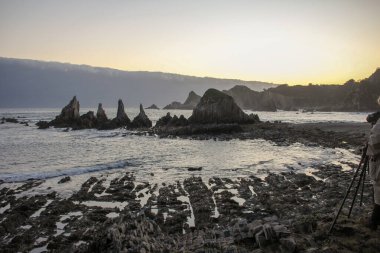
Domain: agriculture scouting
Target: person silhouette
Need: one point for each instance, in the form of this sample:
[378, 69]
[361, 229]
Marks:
[373, 152]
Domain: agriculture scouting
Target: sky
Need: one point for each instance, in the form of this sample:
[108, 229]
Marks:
[284, 41]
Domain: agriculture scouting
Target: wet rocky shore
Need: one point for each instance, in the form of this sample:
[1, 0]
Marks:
[332, 135]
[286, 212]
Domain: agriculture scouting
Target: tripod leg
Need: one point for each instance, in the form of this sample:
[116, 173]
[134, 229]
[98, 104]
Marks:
[348, 190]
[361, 195]
[357, 186]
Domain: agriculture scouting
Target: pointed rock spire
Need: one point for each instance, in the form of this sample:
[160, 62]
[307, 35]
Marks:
[121, 117]
[101, 114]
[141, 120]
[70, 111]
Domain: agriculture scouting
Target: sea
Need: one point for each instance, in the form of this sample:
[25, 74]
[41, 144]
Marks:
[29, 153]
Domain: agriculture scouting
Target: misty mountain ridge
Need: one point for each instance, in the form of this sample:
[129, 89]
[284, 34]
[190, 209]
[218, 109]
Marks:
[32, 83]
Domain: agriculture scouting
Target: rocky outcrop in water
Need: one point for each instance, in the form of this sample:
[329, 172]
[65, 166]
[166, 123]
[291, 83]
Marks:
[70, 111]
[69, 118]
[191, 101]
[121, 117]
[216, 107]
[69, 115]
[88, 120]
[169, 121]
[101, 114]
[173, 105]
[164, 121]
[9, 120]
[141, 120]
[153, 106]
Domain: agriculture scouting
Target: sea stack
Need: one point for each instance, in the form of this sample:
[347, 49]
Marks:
[101, 114]
[121, 117]
[69, 115]
[70, 111]
[190, 103]
[153, 106]
[192, 100]
[216, 107]
[141, 120]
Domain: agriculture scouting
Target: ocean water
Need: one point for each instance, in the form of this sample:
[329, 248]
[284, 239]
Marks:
[26, 152]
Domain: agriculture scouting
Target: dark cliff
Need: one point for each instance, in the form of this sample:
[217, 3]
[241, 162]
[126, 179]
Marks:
[351, 96]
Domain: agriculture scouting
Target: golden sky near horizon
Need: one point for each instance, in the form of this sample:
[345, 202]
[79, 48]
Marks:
[287, 41]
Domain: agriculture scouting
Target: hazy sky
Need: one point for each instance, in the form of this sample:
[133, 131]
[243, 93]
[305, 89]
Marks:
[293, 41]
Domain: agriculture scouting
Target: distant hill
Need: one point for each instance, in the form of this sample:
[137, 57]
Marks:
[351, 96]
[29, 83]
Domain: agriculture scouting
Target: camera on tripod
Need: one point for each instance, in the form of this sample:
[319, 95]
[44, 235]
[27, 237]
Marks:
[361, 171]
[373, 117]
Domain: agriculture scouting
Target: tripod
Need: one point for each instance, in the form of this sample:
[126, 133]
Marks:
[361, 170]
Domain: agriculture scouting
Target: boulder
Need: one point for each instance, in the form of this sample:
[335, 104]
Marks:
[9, 120]
[141, 120]
[101, 114]
[220, 108]
[42, 124]
[87, 120]
[64, 180]
[153, 106]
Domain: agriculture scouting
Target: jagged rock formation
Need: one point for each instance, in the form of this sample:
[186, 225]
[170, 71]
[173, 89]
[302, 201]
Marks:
[141, 120]
[169, 121]
[163, 121]
[220, 108]
[181, 121]
[69, 117]
[192, 99]
[70, 111]
[173, 105]
[153, 106]
[189, 104]
[88, 120]
[101, 114]
[121, 117]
